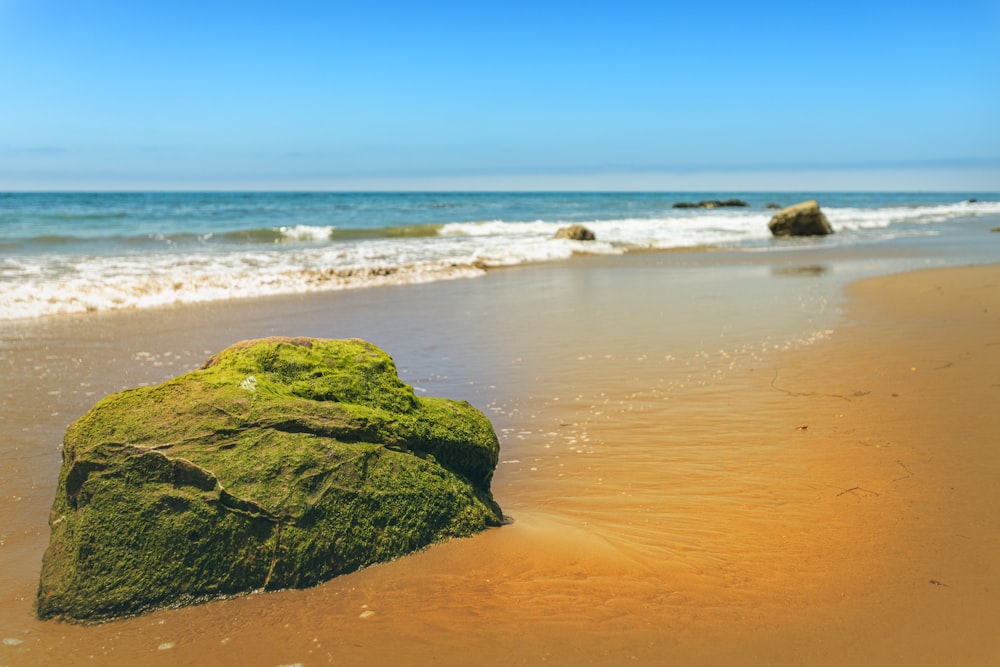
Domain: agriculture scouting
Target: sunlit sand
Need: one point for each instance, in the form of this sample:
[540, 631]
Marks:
[694, 476]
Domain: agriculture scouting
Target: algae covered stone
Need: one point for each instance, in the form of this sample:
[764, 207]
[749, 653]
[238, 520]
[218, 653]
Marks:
[279, 463]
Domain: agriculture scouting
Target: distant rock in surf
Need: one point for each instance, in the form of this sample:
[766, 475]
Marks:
[280, 463]
[803, 219]
[776, 207]
[713, 203]
[575, 233]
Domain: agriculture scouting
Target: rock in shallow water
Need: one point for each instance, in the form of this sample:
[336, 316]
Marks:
[575, 233]
[280, 463]
[803, 219]
[713, 203]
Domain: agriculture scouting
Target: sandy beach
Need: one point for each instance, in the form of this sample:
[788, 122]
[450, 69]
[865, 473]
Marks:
[708, 459]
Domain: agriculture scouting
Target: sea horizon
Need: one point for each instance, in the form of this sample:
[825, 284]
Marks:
[494, 191]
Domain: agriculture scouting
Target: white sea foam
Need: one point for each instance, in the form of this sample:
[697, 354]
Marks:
[306, 232]
[45, 284]
[877, 218]
[631, 233]
[98, 284]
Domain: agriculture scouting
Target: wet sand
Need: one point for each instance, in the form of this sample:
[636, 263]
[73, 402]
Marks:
[708, 461]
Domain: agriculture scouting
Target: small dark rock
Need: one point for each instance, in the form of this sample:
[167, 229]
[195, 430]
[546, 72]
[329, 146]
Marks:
[713, 203]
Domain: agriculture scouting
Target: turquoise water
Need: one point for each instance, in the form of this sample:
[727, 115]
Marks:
[75, 252]
[39, 218]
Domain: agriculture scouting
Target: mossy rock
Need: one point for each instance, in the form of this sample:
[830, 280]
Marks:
[280, 463]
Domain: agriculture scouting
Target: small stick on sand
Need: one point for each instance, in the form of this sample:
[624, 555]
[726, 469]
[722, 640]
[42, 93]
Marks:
[853, 490]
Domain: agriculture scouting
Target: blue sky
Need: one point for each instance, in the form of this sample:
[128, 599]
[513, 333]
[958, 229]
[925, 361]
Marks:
[109, 94]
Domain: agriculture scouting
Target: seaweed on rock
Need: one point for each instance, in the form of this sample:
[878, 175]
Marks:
[280, 463]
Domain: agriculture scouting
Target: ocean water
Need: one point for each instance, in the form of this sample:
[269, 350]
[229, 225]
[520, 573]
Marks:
[76, 252]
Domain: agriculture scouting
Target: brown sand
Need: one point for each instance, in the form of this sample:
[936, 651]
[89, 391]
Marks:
[695, 476]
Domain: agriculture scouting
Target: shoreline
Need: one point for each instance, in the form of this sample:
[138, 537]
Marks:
[666, 503]
[106, 253]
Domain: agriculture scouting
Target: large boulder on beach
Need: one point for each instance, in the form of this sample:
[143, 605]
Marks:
[803, 219]
[280, 463]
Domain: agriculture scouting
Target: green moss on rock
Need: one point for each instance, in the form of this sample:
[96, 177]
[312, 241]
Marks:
[279, 463]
